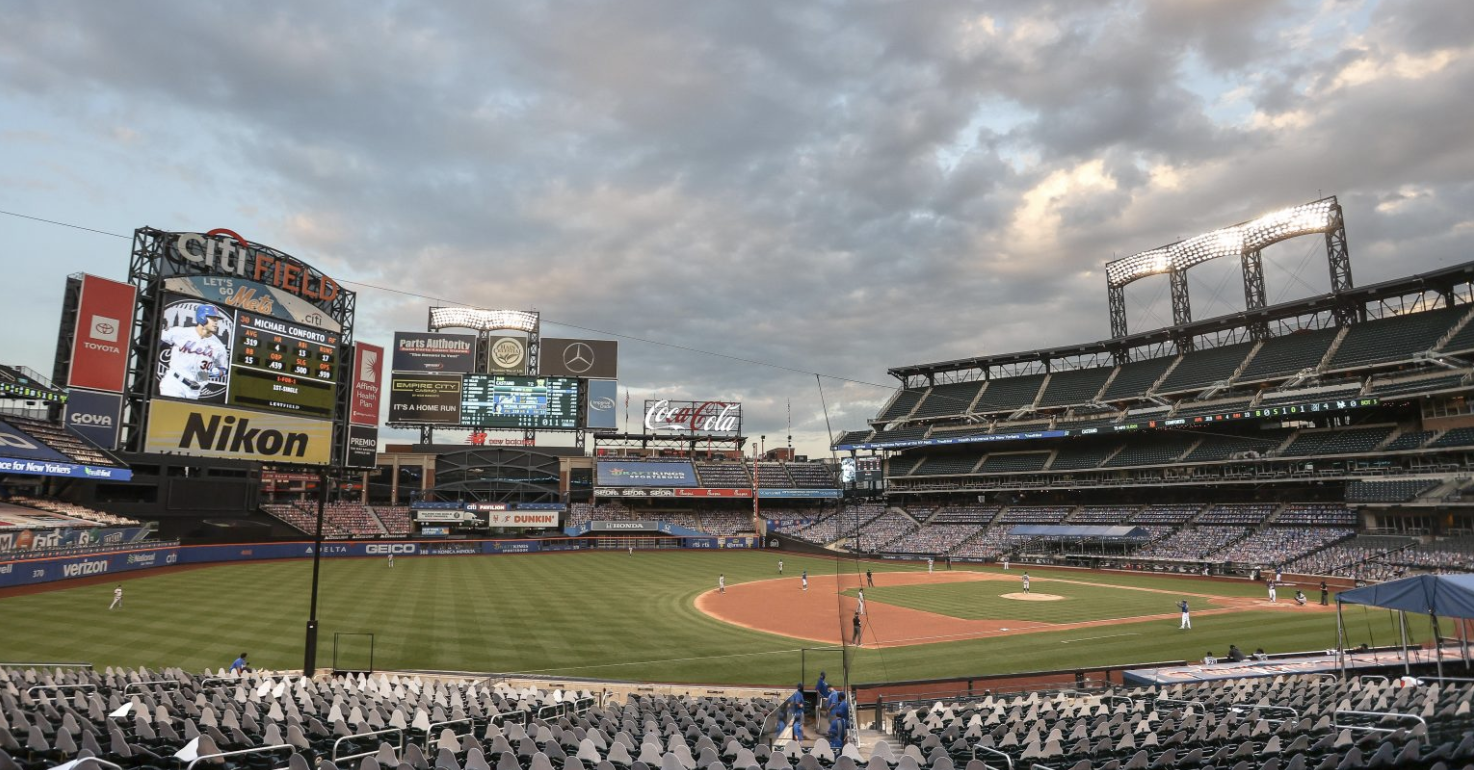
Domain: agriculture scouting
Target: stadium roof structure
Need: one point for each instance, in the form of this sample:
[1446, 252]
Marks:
[1451, 596]
[19, 382]
[1443, 281]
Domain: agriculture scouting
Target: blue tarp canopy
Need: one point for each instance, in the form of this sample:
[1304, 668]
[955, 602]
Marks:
[1450, 596]
[1086, 531]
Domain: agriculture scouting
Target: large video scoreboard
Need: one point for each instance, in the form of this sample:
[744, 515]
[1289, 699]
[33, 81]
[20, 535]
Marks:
[508, 401]
[246, 359]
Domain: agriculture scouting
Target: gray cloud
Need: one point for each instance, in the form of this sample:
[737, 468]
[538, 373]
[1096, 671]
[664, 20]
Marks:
[827, 188]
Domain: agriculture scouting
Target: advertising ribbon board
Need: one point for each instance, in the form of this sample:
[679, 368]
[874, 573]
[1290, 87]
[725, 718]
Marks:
[205, 430]
[645, 474]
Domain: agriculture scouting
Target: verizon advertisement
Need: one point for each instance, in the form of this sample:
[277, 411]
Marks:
[363, 407]
[699, 418]
[104, 331]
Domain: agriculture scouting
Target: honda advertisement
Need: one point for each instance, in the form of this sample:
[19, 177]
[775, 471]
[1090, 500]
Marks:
[104, 331]
[696, 418]
[434, 352]
[603, 398]
[643, 474]
[95, 416]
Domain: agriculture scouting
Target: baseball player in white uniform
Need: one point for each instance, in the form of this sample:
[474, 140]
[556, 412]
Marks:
[721, 584]
[861, 608]
[197, 355]
[117, 598]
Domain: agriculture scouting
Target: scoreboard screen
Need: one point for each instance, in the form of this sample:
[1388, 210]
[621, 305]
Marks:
[283, 366]
[509, 401]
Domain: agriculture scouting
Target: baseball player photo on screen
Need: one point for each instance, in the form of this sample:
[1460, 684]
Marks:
[194, 356]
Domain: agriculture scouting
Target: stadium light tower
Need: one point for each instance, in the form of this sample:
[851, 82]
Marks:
[1246, 241]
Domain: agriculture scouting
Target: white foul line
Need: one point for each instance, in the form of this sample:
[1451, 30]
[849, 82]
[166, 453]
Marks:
[1088, 638]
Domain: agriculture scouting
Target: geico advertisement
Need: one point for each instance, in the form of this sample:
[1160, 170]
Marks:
[202, 430]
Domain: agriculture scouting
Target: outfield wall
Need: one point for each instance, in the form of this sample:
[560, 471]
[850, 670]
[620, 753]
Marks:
[33, 571]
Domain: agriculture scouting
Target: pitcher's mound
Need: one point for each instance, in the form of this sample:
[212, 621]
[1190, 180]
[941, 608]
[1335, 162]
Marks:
[1023, 597]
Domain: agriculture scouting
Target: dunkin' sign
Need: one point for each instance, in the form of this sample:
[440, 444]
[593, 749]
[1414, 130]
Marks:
[704, 418]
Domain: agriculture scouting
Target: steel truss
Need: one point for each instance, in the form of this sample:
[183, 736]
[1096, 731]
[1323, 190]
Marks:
[149, 264]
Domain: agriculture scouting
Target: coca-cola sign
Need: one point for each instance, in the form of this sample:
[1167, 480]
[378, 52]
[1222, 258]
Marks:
[700, 418]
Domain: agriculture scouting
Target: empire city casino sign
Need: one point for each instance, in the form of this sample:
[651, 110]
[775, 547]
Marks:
[225, 252]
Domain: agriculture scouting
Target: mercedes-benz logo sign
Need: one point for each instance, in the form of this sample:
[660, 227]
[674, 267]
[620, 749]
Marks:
[578, 358]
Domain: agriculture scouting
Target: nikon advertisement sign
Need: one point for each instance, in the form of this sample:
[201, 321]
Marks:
[204, 430]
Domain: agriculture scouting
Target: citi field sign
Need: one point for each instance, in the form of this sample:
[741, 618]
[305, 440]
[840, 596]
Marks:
[225, 252]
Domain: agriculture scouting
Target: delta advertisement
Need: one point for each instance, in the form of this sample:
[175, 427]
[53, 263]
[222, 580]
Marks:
[104, 333]
[645, 474]
[205, 430]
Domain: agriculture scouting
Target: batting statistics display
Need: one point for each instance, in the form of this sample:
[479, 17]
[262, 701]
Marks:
[502, 401]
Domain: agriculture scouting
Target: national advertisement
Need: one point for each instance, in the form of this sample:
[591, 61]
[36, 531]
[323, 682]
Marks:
[695, 418]
[602, 411]
[95, 416]
[425, 398]
[104, 333]
[204, 430]
[644, 474]
[434, 352]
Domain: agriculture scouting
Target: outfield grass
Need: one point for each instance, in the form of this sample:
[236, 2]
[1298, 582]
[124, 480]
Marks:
[597, 615]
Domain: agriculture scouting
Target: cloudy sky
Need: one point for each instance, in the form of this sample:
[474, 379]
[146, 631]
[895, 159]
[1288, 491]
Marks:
[820, 187]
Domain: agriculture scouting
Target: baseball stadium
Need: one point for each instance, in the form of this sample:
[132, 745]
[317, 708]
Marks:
[1237, 542]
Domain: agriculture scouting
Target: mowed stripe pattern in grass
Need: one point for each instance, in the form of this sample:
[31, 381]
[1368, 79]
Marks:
[598, 615]
[984, 599]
